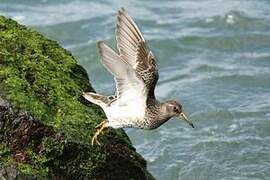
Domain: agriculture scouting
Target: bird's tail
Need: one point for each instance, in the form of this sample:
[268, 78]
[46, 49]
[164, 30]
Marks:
[97, 99]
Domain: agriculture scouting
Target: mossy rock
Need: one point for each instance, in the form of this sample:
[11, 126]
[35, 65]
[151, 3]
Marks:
[45, 124]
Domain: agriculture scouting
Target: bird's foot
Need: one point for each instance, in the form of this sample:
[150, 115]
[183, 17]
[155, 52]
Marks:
[100, 124]
[100, 127]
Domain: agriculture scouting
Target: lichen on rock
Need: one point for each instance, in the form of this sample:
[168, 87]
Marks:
[45, 124]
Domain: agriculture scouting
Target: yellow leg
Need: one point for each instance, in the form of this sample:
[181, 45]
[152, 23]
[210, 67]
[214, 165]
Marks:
[103, 125]
[100, 124]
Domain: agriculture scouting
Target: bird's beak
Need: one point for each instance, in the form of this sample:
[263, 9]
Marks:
[182, 115]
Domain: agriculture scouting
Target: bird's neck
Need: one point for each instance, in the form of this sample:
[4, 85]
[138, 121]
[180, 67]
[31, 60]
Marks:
[163, 111]
[157, 114]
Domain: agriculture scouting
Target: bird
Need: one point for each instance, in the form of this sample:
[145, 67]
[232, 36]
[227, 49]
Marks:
[135, 72]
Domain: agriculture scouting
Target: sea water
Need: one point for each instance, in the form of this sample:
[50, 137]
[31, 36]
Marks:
[213, 56]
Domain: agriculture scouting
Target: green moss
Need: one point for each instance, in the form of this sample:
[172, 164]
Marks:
[43, 79]
[31, 170]
[36, 165]
[4, 156]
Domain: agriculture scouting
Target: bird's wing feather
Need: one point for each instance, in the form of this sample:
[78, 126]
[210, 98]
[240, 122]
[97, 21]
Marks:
[134, 50]
[129, 86]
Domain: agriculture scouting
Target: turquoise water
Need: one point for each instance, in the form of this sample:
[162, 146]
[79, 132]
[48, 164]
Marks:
[214, 57]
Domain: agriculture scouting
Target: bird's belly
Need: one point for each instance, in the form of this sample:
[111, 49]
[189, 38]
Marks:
[124, 116]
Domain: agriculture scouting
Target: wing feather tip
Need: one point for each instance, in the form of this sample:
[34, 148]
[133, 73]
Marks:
[121, 11]
[100, 44]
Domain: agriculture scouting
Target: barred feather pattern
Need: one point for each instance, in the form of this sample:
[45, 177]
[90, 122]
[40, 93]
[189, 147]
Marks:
[134, 50]
[153, 116]
[147, 67]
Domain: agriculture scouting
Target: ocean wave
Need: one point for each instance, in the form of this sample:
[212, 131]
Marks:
[47, 14]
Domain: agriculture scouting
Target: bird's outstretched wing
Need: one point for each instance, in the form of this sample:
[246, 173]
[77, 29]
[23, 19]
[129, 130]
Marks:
[129, 86]
[134, 50]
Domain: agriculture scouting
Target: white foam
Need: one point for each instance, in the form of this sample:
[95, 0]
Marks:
[19, 18]
[233, 127]
[52, 14]
[230, 19]
[209, 20]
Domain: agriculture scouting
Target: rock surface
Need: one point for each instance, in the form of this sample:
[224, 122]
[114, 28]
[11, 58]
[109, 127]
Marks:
[45, 124]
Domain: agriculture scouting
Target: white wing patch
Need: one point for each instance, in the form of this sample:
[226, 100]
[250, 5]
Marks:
[129, 86]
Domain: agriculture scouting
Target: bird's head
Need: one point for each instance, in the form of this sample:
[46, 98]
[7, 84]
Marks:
[173, 108]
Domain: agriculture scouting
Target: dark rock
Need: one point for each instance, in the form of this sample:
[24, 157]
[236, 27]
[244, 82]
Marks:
[45, 124]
